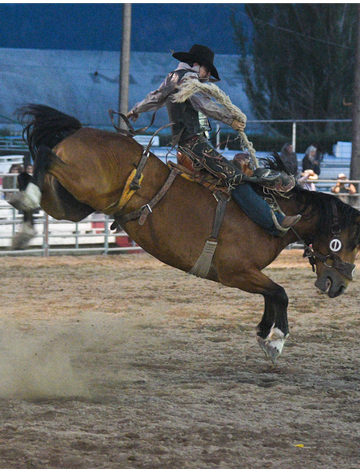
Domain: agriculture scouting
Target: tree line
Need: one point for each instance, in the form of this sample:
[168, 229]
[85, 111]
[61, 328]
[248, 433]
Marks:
[297, 61]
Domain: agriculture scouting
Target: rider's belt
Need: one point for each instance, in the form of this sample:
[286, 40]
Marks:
[192, 139]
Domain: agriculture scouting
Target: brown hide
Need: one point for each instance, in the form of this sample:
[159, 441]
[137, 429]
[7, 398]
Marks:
[94, 168]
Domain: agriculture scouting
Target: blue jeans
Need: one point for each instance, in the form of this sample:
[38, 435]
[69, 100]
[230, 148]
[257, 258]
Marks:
[256, 208]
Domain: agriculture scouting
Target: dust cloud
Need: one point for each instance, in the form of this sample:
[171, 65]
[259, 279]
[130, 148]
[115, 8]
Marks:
[48, 360]
[37, 369]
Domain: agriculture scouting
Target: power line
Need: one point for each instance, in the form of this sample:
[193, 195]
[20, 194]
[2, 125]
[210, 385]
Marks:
[286, 30]
[11, 120]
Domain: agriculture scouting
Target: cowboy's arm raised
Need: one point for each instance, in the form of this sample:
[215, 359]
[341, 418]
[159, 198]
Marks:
[210, 108]
[154, 100]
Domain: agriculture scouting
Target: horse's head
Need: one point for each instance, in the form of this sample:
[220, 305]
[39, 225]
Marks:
[334, 251]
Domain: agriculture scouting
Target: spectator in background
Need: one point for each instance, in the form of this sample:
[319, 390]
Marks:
[313, 158]
[10, 182]
[307, 179]
[343, 189]
[288, 157]
[29, 168]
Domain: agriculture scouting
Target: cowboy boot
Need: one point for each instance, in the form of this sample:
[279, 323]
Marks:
[287, 223]
[290, 221]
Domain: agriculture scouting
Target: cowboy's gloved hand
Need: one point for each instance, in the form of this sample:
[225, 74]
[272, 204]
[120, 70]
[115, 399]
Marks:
[133, 116]
[237, 125]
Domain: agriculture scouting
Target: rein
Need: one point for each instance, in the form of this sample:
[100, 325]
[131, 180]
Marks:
[332, 260]
[131, 132]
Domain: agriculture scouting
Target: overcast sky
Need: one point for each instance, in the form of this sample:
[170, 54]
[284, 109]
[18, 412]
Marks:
[156, 27]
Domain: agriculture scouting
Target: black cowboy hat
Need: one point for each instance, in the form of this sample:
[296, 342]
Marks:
[201, 55]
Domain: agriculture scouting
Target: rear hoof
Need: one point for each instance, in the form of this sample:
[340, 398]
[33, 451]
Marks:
[273, 344]
[27, 200]
[23, 238]
[21, 201]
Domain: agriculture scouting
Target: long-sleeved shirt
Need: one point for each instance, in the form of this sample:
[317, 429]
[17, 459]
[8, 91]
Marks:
[200, 102]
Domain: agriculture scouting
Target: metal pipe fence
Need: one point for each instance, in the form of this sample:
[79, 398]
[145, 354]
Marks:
[261, 127]
[54, 237]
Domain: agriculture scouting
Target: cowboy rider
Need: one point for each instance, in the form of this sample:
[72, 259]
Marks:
[188, 132]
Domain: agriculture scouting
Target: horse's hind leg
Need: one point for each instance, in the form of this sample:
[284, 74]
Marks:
[27, 231]
[29, 196]
[55, 199]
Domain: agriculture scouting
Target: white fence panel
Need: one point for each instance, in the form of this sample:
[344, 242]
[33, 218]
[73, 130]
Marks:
[91, 235]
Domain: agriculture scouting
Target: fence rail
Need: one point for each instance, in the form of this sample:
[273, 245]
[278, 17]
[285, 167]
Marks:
[91, 235]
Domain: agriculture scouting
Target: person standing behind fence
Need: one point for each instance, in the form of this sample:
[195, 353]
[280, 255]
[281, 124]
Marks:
[29, 168]
[313, 158]
[288, 157]
[307, 179]
[10, 182]
[343, 189]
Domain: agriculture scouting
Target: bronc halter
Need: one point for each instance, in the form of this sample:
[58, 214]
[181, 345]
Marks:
[332, 260]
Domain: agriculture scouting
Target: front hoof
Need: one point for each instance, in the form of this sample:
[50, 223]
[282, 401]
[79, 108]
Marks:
[273, 344]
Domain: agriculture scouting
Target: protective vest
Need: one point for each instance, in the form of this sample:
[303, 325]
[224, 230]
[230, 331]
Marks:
[184, 118]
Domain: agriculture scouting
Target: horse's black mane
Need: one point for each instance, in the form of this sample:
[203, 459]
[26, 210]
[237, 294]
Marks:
[311, 203]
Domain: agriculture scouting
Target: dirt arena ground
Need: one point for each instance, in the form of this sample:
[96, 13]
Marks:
[123, 362]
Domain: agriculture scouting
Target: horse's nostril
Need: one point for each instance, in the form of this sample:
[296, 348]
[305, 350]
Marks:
[342, 289]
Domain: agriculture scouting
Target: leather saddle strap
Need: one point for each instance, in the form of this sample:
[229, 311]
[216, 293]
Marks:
[203, 264]
[144, 211]
[219, 214]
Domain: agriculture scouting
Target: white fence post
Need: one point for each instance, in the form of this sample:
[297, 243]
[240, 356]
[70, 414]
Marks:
[294, 136]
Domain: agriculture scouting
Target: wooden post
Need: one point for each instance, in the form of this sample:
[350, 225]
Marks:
[355, 153]
[125, 64]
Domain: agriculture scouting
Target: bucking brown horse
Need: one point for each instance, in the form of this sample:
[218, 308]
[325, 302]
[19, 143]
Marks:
[79, 170]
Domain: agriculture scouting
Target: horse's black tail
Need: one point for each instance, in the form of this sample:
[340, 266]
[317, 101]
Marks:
[46, 126]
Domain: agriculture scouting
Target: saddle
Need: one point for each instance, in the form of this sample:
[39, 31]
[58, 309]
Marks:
[270, 179]
[193, 171]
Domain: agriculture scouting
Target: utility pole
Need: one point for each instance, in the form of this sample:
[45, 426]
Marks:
[355, 153]
[125, 63]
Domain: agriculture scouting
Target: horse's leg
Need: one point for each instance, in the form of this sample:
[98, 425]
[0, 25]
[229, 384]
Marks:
[44, 188]
[55, 199]
[27, 231]
[29, 195]
[273, 329]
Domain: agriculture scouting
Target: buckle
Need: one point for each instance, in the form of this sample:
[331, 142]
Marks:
[145, 210]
